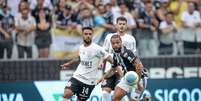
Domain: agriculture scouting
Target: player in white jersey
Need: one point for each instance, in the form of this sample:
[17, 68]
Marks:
[85, 77]
[129, 42]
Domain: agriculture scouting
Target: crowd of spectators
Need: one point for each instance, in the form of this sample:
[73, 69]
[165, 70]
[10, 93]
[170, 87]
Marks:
[160, 27]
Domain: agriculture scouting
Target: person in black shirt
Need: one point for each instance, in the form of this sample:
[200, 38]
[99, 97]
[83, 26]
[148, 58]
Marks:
[125, 60]
[43, 37]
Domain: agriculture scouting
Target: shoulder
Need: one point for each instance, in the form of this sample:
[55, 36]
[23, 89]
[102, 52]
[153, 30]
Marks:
[96, 46]
[128, 51]
[196, 13]
[109, 35]
[128, 54]
[129, 37]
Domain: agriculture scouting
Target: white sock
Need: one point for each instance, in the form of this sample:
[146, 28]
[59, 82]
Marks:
[106, 96]
[65, 99]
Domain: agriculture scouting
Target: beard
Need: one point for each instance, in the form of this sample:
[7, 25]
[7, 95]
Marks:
[87, 41]
[117, 50]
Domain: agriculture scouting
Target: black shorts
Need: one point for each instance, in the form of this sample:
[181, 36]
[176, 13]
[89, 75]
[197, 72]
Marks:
[80, 89]
[111, 82]
[43, 39]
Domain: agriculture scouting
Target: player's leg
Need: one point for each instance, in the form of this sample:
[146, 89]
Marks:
[71, 88]
[67, 94]
[119, 93]
[106, 93]
[107, 86]
[84, 91]
[121, 90]
[136, 94]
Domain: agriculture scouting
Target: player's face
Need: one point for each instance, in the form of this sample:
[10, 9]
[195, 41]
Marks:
[116, 44]
[121, 26]
[87, 36]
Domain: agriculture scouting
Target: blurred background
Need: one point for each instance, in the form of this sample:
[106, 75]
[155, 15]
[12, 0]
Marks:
[36, 36]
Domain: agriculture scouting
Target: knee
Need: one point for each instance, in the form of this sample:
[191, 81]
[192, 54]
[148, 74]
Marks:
[67, 94]
[116, 98]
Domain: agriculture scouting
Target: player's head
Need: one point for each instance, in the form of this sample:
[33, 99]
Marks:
[116, 43]
[87, 35]
[121, 24]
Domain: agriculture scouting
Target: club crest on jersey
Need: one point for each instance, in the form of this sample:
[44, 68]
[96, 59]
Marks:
[129, 58]
[125, 55]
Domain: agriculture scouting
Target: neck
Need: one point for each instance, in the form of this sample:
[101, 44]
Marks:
[86, 45]
[121, 33]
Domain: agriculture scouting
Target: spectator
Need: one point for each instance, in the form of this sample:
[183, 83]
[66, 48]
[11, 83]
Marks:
[115, 8]
[124, 12]
[178, 7]
[161, 11]
[60, 7]
[64, 20]
[190, 23]
[43, 36]
[2, 4]
[22, 5]
[25, 26]
[85, 18]
[14, 4]
[43, 3]
[103, 19]
[167, 33]
[148, 27]
[6, 30]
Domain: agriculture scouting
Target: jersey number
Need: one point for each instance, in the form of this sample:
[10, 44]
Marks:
[85, 90]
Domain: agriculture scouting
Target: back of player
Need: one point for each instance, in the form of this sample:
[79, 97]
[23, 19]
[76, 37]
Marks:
[129, 41]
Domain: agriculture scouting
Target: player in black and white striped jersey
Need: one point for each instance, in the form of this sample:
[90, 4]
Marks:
[128, 41]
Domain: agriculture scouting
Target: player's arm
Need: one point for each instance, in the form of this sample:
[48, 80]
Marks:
[139, 67]
[110, 73]
[71, 62]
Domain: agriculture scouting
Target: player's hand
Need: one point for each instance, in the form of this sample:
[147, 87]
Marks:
[64, 66]
[101, 66]
[100, 80]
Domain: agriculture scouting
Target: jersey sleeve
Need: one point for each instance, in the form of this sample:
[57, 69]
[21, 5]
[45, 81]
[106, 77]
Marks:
[106, 44]
[133, 44]
[129, 55]
[101, 52]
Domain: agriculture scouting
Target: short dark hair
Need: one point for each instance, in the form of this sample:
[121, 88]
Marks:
[115, 36]
[121, 18]
[88, 28]
[171, 13]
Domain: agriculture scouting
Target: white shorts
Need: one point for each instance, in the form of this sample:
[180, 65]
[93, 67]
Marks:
[134, 92]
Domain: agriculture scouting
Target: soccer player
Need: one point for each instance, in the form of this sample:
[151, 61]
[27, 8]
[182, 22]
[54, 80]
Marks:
[126, 59]
[85, 77]
[129, 41]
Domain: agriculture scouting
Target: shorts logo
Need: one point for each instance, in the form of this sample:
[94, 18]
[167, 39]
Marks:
[69, 83]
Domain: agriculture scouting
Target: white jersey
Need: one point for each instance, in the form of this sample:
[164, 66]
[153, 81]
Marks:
[127, 40]
[87, 71]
